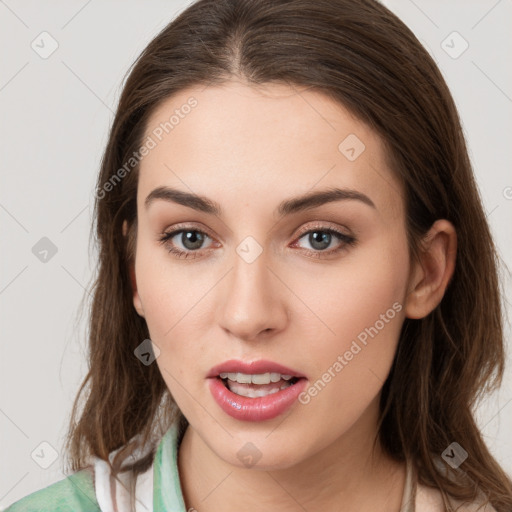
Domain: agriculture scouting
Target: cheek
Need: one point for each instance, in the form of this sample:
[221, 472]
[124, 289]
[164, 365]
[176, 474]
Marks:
[354, 294]
[165, 291]
[359, 313]
[170, 301]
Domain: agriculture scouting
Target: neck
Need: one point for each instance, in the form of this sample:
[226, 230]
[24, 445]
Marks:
[349, 472]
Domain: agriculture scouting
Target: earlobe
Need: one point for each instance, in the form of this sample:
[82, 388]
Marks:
[431, 275]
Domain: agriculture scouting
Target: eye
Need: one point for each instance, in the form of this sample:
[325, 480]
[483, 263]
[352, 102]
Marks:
[321, 237]
[190, 238]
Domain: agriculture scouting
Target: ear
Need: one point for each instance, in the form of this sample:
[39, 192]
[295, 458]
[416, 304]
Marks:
[137, 303]
[430, 277]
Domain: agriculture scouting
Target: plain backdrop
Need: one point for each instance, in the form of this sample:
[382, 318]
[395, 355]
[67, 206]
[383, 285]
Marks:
[55, 114]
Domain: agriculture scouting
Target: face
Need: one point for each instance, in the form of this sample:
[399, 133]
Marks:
[316, 286]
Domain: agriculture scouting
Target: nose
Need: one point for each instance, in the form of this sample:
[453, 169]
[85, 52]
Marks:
[252, 303]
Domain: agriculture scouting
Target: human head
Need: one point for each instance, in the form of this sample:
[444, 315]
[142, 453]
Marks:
[361, 56]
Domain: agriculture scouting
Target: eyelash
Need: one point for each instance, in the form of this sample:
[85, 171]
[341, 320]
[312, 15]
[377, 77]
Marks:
[346, 239]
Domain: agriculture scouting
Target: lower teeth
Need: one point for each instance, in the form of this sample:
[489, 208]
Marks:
[241, 390]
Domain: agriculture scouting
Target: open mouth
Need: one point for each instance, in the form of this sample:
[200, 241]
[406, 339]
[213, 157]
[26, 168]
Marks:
[257, 391]
[250, 389]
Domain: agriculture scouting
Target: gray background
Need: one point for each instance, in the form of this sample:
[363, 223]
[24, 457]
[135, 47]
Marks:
[55, 113]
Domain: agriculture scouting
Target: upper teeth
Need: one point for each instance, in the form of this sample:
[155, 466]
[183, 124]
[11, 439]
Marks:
[261, 378]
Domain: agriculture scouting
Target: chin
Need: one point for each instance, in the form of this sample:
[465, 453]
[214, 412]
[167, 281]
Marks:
[250, 457]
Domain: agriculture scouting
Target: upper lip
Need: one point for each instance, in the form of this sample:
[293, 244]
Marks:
[252, 368]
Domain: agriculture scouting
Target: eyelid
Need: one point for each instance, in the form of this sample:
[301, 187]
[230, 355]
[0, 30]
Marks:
[184, 226]
[323, 225]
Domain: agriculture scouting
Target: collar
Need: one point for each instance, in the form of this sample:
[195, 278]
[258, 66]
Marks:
[167, 493]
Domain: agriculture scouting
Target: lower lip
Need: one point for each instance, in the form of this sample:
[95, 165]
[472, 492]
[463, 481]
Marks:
[255, 409]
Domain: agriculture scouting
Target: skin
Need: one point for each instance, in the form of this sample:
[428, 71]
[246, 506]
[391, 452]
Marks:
[248, 149]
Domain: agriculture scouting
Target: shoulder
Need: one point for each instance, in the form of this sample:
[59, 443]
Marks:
[429, 499]
[75, 493]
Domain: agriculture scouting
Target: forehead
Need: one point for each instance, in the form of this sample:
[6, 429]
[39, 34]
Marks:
[265, 142]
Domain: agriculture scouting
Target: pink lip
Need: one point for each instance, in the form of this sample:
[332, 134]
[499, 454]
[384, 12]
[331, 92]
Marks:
[255, 367]
[254, 409]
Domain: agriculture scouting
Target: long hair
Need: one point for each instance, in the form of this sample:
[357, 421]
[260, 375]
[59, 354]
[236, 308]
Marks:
[361, 55]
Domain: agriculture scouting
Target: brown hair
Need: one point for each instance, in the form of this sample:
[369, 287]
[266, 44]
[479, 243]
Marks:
[362, 56]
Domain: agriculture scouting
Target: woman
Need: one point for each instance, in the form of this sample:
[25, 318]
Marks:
[297, 302]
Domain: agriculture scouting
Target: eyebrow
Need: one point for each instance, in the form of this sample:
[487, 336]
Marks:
[286, 207]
